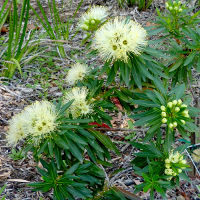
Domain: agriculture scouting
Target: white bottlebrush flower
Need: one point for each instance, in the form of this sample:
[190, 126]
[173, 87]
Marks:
[118, 38]
[16, 130]
[40, 120]
[93, 17]
[35, 121]
[80, 105]
[77, 72]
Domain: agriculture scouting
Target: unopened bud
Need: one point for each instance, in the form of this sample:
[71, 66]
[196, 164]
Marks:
[174, 102]
[93, 21]
[183, 121]
[179, 171]
[184, 106]
[162, 108]
[163, 114]
[164, 120]
[171, 125]
[170, 104]
[175, 124]
[179, 102]
[177, 109]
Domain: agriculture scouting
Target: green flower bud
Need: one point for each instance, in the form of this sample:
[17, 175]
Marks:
[168, 171]
[180, 102]
[84, 26]
[180, 10]
[163, 114]
[170, 104]
[167, 166]
[170, 8]
[183, 121]
[185, 112]
[171, 125]
[174, 174]
[167, 161]
[177, 109]
[181, 158]
[174, 102]
[184, 162]
[162, 108]
[184, 106]
[175, 124]
[167, 5]
[179, 171]
[93, 21]
[164, 120]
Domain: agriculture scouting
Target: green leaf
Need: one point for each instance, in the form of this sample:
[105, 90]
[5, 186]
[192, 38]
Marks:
[112, 73]
[42, 148]
[81, 121]
[152, 131]
[58, 157]
[160, 86]
[180, 91]
[50, 146]
[105, 140]
[190, 58]
[136, 77]
[65, 107]
[176, 65]
[75, 150]
[61, 141]
[72, 169]
[145, 120]
[145, 103]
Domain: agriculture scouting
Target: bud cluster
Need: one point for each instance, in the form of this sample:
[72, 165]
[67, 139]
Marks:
[175, 112]
[90, 24]
[91, 20]
[174, 7]
[174, 164]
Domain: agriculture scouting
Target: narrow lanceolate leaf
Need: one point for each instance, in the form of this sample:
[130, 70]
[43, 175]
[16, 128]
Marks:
[105, 140]
[176, 65]
[144, 103]
[190, 58]
[146, 119]
[81, 121]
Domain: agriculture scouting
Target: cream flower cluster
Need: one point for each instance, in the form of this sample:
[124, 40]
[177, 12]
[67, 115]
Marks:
[173, 162]
[77, 72]
[118, 38]
[174, 112]
[36, 121]
[80, 105]
[93, 17]
[174, 7]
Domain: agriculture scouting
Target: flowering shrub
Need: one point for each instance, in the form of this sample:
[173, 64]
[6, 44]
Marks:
[179, 25]
[63, 135]
[159, 107]
[160, 167]
[120, 42]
